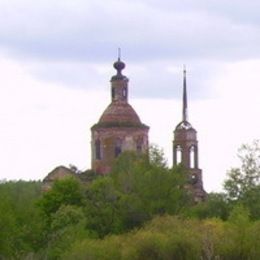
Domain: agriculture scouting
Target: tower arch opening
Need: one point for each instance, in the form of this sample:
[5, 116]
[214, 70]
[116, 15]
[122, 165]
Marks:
[178, 154]
[192, 157]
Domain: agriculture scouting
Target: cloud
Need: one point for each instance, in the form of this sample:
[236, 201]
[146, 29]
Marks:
[147, 80]
[92, 30]
[71, 42]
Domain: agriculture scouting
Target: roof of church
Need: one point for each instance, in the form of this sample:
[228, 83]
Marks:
[119, 114]
[184, 125]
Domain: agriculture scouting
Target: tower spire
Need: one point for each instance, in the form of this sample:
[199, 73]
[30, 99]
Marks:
[119, 53]
[184, 98]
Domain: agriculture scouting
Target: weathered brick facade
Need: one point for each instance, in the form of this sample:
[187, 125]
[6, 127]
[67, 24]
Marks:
[118, 129]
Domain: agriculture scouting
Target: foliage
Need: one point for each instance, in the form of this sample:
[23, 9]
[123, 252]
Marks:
[243, 184]
[140, 210]
[68, 224]
[67, 191]
[170, 237]
[102, 207]
[20, 224]
[242, 180]
[216, 206]
[148, 187]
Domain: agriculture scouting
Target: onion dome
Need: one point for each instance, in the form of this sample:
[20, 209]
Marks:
[119, 66]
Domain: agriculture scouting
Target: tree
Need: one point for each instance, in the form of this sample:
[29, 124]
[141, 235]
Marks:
[247, 177]
[67, 226]
[67, 191]
[243, 184]
[216, 206]
[102, 207]
[20, 221]
[137, 189]
[148, 187]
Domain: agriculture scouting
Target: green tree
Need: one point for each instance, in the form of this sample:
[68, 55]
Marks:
[236, 242]
[63, 217]
[20, 221]
[148, 187]
[68, 191]
[247, 177]
[243, 184]
[68, 225]
[137, 189]
[102, 207]
[216, 206]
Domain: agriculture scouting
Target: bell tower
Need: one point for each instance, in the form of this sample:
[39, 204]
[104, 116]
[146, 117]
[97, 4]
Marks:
[185, 149]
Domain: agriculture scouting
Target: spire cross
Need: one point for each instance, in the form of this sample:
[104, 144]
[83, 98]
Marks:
[184, 100]
[119, 53]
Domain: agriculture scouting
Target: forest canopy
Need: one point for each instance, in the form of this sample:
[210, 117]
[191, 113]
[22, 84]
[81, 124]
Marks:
[140, 210]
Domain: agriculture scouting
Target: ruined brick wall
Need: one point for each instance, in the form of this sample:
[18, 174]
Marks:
[58, 173]
[130, 138]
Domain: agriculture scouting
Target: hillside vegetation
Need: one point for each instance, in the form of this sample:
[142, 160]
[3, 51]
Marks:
[141, 210]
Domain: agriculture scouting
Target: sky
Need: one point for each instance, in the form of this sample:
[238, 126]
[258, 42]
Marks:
[56, 62]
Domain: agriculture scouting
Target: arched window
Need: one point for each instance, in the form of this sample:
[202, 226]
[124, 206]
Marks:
[178, 154]
[98, 149]
[192, 157]
[118, 147]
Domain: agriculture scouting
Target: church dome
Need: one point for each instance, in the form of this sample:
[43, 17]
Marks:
[184, 125]
[119, 114]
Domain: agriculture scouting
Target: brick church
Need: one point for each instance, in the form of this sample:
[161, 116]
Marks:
[120, 129]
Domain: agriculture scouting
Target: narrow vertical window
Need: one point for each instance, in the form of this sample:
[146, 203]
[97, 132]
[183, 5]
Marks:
[192, 157]
[178, 154]
[118, 147]
[124, 93]
[113, 93]
[139, 145]
[98, 149]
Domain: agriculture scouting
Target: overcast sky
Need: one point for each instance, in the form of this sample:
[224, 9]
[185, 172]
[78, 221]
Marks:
[56, 63]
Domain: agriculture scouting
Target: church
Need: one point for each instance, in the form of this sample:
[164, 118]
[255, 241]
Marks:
[120, 129]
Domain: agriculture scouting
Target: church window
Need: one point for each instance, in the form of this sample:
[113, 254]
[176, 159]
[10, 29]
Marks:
[139, 145]
[118, 147]
[192, 157]
[98, 149]
[124, 92]
[178, 154]
[113, 93]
